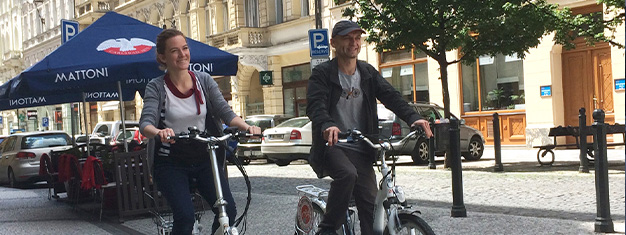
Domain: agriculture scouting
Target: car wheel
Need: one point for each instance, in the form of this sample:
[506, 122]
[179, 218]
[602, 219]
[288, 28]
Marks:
[420, 152]
[282, 162]
[12, 180]
[475, 149]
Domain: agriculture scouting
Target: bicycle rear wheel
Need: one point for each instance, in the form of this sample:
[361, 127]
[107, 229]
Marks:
[412, 224]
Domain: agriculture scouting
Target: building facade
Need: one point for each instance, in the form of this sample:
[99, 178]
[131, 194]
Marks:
[11, 51]
[271, 38]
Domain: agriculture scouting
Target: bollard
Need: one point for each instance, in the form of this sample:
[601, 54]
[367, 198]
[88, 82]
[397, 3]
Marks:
[582, 125]
[431, 146]
[604, 223]
[497, 146]
[458, 207]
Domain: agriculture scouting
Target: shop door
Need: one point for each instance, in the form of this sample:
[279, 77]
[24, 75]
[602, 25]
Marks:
[587, 80]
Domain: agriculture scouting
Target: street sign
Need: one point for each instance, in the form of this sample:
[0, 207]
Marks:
[21, 116]
[44, 121]
[69, 29]
[266, 78]
[317, 61]
[546, 91]
[318, 41]
[619, 84]
[1, 120]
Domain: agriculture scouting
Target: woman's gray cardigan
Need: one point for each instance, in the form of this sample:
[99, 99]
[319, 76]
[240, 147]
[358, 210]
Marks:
[217, 108]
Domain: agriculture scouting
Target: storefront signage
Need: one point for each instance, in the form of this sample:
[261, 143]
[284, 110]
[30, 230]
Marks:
[546, 91]
[619, 84]
[266, 78]
[31, 114]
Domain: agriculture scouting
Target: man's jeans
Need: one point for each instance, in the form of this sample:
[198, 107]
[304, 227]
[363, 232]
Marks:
[173, 182]
[352, 174]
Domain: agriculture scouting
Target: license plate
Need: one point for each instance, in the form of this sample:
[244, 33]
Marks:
[276, 136]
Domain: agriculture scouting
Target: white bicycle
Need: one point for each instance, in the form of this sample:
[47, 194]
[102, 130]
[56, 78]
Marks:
[392, 214]
[213, 143]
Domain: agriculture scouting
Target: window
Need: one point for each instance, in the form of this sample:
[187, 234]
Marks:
[295, 79]
[497, 83]
[410, 78]
[252, 17]
[279, 11]
[225, 15]
[304, 9]
[224, 84]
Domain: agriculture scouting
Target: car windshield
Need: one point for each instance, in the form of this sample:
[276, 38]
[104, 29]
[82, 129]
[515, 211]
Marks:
[130, 133]
[262, 123]
[45, 141]
[296, 122]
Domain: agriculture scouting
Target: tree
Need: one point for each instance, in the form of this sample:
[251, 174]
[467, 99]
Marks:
[592, 27]
[473, 27]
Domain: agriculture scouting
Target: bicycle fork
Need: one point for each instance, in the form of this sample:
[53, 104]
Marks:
[220, 203]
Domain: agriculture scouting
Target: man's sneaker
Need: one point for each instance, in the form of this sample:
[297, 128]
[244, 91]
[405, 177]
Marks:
[326, 231]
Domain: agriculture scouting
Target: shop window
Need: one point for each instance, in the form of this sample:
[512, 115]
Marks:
[224, 84]
[402, 78]
[295, 79]
[496, 84]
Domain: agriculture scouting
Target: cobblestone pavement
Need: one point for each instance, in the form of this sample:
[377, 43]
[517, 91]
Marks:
[524, 199]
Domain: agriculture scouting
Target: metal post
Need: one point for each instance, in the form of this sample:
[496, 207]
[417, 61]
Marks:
[123, 114]
[497, 146]
[318, 14]
[73, 123]
[604, 223]
[582, 125]
[458, 207]
[86, 131]
[431, 146]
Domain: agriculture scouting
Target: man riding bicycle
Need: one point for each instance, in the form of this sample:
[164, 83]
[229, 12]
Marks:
[341, 95]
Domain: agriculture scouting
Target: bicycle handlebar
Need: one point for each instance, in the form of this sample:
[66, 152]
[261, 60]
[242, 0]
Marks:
[355, 135]
[230, 132]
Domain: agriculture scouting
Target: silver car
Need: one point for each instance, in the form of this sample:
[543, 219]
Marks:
[472, 140]
[21, 153]
[250, 148]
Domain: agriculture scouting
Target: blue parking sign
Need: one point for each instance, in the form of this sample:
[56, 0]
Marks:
[318, 41]
[69, 29]
[44, 121]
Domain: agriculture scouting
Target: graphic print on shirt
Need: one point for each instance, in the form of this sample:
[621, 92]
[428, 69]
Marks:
[350, 93]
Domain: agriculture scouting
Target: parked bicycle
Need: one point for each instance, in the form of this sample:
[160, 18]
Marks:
[392, 214]
[213, 143]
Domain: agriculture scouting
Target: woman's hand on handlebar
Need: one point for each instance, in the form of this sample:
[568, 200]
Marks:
[424, 125]
[165, 133]
[331, 135]
[255, 130]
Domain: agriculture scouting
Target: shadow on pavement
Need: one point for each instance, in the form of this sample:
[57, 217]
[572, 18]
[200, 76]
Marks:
[615, 167]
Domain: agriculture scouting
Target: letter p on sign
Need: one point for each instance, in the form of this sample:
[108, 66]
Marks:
[69, 29]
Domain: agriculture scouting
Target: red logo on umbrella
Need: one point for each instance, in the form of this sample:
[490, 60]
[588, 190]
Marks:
[123, 46]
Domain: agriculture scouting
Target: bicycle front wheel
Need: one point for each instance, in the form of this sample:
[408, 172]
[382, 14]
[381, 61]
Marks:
[412, 224]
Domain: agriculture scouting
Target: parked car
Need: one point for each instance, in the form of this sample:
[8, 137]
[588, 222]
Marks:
[21, 153]
[472, 140]
[250, 148]
[107, 132]
[289, 141]
[81, 139]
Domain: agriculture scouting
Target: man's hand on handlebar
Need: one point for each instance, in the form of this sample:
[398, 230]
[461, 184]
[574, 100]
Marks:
[253, 130]
[331, 135]
[424, 124]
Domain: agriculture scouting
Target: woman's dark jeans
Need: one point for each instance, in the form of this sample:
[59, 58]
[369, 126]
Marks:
[173, 182]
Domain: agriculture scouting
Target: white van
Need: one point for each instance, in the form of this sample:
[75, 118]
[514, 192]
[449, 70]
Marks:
[106, 132]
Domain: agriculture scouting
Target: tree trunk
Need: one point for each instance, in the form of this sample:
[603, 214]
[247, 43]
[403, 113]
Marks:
[443, 70]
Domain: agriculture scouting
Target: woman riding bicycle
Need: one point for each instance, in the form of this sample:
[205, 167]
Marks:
[173, 102]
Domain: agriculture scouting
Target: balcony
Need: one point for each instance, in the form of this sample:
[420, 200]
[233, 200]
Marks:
[87, 11]
[12, 58]
[240, 37]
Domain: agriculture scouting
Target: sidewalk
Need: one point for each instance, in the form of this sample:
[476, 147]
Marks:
[524, 199]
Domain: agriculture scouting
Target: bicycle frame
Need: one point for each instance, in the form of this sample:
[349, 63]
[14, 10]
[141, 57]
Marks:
[220, 203]
[387, 191]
